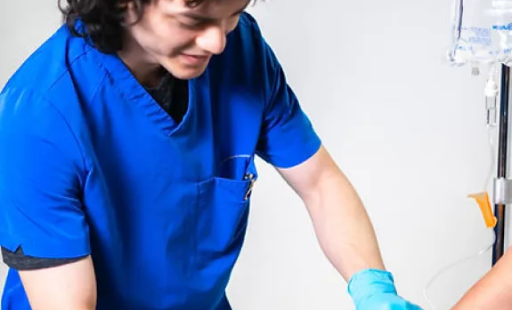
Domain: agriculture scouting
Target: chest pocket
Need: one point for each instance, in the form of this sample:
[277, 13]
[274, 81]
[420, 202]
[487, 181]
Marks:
[222, 213]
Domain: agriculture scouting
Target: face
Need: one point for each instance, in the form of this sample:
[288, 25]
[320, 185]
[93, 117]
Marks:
[179, 38]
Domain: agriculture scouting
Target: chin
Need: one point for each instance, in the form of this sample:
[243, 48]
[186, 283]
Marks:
[187, 73]
[185, 69]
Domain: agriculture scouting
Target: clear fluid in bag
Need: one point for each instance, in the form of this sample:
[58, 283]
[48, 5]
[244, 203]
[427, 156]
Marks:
[482, 32]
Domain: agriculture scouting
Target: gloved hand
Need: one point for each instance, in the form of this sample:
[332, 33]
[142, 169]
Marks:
[373, 289]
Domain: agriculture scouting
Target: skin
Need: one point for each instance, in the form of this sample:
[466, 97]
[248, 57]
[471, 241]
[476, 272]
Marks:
[197, 34]
[166, 36]
[71, 286]
[493, 291]
[341, 223]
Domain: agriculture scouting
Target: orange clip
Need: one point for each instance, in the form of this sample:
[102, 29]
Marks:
[485, 206]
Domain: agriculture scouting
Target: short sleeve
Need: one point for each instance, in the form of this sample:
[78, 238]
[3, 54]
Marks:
[288, 137]
[41, 175]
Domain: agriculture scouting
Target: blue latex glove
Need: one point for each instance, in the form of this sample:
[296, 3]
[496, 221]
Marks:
[373, 289]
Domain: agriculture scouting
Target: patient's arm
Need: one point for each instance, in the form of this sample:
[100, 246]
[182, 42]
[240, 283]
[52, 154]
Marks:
[493, 291]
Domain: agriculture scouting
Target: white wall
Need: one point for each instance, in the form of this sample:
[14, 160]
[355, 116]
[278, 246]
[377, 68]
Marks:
[407, 129]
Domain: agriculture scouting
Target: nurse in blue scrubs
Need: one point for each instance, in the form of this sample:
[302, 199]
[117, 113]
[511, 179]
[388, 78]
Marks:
[128, 142]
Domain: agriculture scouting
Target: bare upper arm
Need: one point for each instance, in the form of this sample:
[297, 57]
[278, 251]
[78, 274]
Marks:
[306, 177]
[70, 286]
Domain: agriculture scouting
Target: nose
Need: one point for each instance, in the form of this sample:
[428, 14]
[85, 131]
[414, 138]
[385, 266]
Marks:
[212, 39]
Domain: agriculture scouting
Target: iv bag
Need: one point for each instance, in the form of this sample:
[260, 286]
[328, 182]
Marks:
[482, 32]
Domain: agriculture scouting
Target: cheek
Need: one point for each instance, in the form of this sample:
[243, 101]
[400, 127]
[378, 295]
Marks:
[170, 41]
[173, 45]
[158, 44]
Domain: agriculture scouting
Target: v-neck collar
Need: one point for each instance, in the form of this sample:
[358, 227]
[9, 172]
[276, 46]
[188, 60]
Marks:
[135, 93]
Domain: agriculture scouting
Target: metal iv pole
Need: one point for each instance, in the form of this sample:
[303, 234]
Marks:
[503, 186]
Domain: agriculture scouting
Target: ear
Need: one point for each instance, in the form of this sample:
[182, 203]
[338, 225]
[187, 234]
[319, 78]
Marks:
[133, 10]
[134, 5]
[125, 4]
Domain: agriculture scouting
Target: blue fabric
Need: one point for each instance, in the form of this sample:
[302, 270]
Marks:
[90, 163]
[373, 289]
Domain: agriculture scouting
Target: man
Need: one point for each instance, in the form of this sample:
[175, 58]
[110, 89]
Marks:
[493, 291]
[128, 142]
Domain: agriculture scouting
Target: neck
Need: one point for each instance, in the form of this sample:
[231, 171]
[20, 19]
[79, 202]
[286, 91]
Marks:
[146, 71]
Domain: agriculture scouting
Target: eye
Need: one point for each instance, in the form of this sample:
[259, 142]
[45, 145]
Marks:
[191, 24]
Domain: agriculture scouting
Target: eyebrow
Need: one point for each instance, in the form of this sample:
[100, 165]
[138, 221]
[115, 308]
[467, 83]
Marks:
[205, 17]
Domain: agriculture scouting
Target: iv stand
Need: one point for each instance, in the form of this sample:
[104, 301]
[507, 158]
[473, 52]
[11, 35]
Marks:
[503, 186]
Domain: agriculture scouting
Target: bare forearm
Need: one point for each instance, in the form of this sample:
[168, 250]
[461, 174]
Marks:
[493, 291]
[343, 227]
[341, 224]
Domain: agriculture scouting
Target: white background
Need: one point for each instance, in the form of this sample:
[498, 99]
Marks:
[406, 128]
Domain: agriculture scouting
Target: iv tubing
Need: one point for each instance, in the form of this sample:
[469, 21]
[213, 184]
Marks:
[455, 263]
[482, 251]
[490, 132]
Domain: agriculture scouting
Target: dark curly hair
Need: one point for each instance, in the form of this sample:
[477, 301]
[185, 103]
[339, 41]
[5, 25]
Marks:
[103, 20]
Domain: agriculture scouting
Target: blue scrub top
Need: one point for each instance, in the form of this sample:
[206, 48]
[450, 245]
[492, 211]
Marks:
[91, 164]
